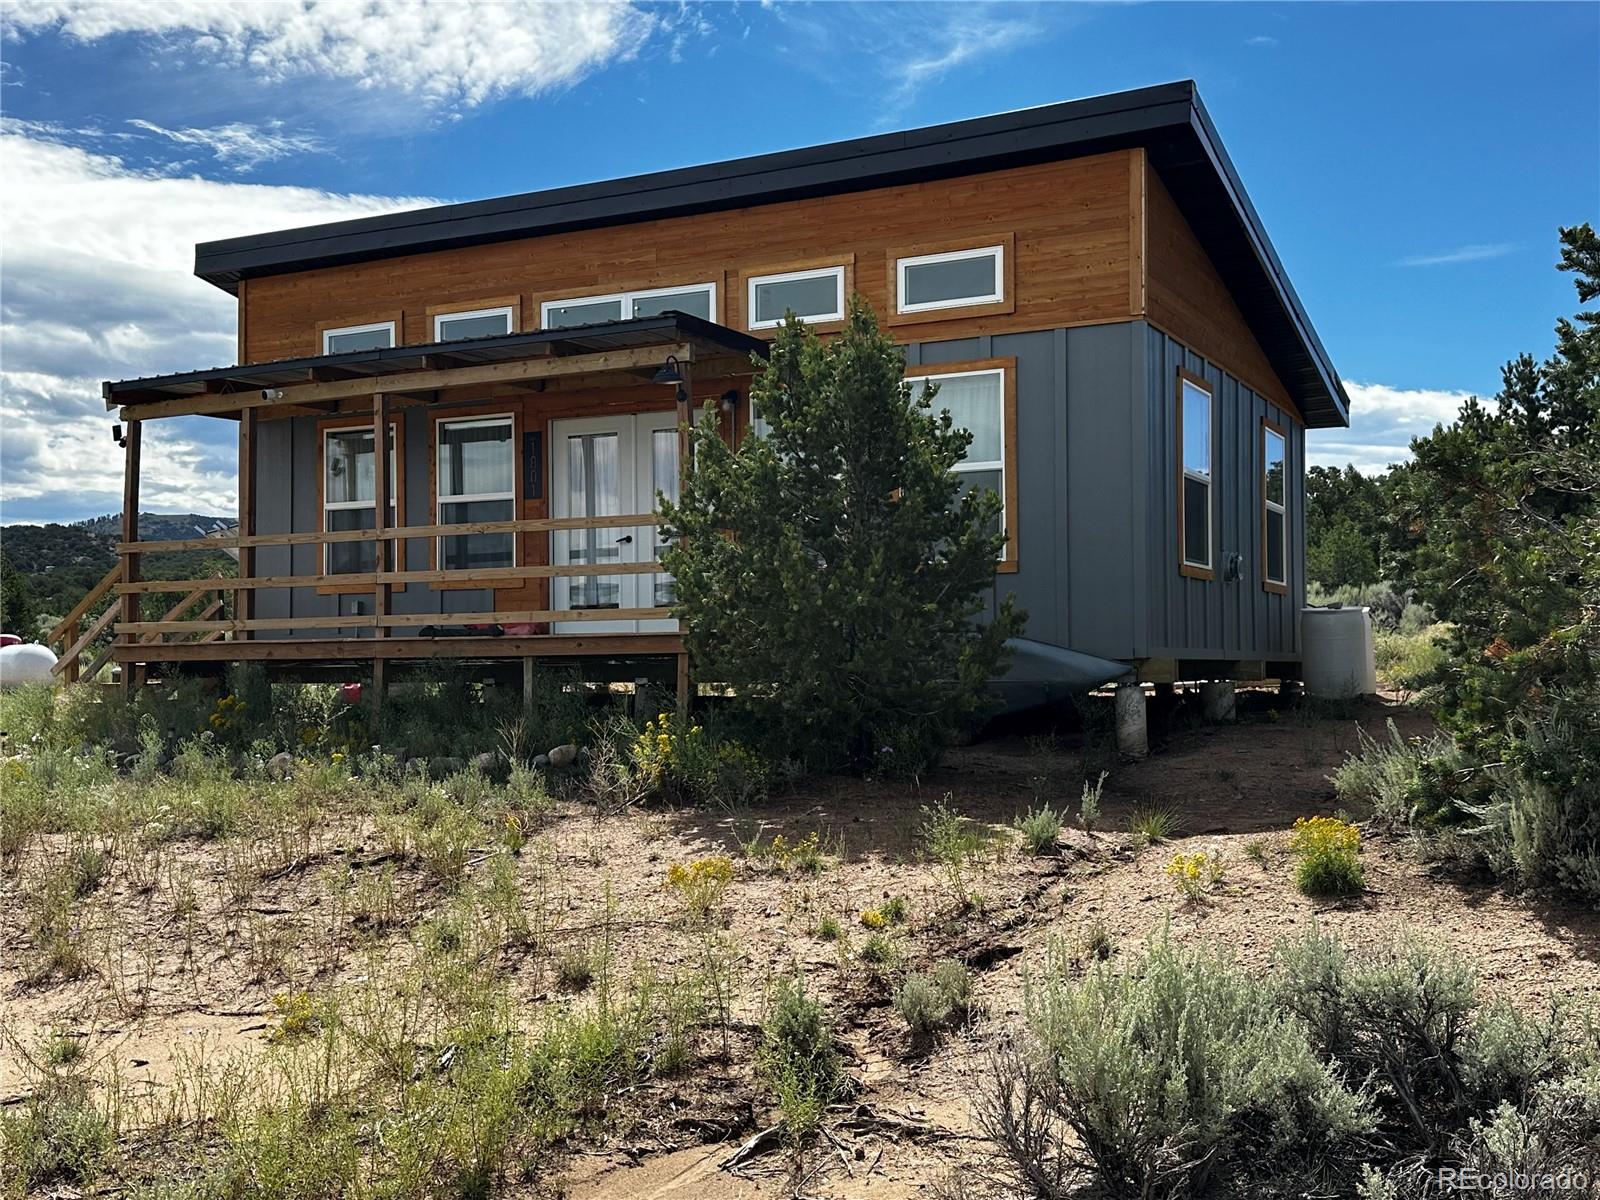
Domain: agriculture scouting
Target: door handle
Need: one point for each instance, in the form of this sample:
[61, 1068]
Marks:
[627, 537]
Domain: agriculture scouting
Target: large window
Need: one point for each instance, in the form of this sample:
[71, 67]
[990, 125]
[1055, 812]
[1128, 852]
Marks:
[476, 481]
[1274, 509]
[979, 401]
[1194, 497]
[698, 300]
[349, 494]
[815, 295]
[951, 280]
[347, 340]
[480, 322]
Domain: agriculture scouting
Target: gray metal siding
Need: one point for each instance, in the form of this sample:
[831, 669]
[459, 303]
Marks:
[286, 502]
[1079, 490]
[1218, 618]
[1096, 524]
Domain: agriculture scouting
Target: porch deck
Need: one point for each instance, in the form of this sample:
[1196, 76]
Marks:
[216, 620]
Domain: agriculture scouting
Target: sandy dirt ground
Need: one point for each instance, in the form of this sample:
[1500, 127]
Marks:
[188, 965]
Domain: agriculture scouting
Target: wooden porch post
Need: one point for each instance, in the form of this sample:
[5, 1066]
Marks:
[130, 533]
[244, 599]
[382, 590]
[685, 462]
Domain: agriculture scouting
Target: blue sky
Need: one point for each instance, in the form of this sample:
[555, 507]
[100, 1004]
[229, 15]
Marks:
[1411, 163]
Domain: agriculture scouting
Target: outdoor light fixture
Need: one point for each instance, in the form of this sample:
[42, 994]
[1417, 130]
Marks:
[730, 400]
[116, 434]
[668, 374]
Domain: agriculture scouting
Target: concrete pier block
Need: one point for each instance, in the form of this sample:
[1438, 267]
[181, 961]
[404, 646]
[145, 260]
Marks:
[1133, 738]
[1217, 700]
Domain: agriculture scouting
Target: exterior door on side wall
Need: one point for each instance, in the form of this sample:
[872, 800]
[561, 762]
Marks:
[610, 466]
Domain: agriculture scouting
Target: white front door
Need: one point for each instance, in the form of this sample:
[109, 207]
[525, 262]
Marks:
[609, 466]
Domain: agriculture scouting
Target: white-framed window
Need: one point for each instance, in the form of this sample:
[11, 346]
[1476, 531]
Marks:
[976, 402]
[377, 336]
[696, 299]
[1194, 501]
[476, 480]
[480, 322]
[815, 295]
[1275, 507]
[349, 492]
[950, 280]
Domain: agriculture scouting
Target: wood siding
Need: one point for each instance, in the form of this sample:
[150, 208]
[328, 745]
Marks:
[1070, 220]
[1186, 297]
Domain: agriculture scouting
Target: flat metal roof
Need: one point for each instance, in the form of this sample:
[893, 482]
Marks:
[1168, 120]
[665, 330]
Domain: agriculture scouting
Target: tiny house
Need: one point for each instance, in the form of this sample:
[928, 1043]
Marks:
[453, 423]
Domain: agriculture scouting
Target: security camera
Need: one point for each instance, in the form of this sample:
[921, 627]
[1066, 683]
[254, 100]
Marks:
[272, 393]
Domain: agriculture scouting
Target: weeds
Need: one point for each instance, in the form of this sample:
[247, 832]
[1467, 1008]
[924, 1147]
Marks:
[954, 843]
[1327, 848]
[1196, 875]
[927, 1002]
[1089, 802]
[1040, 829]
[797, 1060]
[1153, 823]
[700, 885]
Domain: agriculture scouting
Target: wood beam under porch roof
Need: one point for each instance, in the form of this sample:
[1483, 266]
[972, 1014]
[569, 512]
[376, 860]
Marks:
[604, 362]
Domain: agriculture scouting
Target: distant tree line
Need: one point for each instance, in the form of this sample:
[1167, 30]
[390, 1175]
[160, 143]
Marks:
[1494, 525]
[46, 569]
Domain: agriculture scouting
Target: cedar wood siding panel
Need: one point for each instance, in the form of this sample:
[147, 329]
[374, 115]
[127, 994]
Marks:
[1072, 264]
[1219, 618]
[1186, 297]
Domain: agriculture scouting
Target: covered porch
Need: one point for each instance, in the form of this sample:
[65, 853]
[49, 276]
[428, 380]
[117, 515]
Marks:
[510, 521]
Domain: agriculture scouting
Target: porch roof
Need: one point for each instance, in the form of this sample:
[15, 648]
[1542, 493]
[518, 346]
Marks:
[706, 339]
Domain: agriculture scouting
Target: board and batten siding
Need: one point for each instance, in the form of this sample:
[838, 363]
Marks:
[286, 502]
[1080, 508]
[1218, 618]
[1097, 530]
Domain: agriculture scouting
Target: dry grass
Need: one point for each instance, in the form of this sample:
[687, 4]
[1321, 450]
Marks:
[262, 977]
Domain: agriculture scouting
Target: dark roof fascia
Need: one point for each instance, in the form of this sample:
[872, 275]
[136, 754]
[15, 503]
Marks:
[883, 160]
[664, 330]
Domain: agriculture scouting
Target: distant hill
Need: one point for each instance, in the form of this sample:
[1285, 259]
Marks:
[38, 549]
[58, 564]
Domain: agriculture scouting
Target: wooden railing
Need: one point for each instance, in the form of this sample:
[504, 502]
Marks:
[209, 627]
[69, 638]
[75, 640]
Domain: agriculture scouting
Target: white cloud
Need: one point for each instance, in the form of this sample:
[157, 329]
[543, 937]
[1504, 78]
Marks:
[1475, 252]
[1417, 408]
[965, 34]
[1261, 39]
[1383, 420]
[97, 263]
[448, 51]
[239, 145]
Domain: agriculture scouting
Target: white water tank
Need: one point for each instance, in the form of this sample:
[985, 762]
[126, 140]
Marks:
[26, 663]
[1337, 653]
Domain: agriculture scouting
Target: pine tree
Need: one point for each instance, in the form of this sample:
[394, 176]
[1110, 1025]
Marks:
[831, 570]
